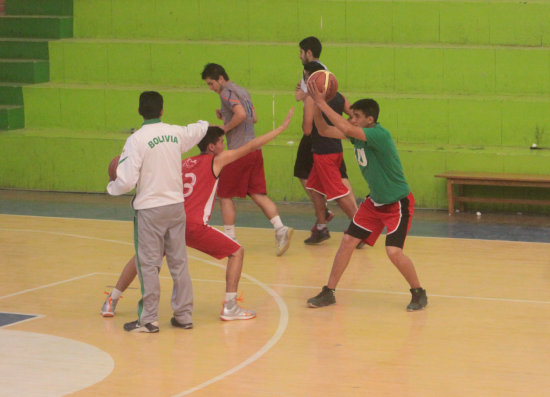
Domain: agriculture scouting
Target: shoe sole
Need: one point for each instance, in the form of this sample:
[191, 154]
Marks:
[142, 329]
[317, 242]
[175, 324]
[227, 318]
[417, 310]
[108, 314]
[285, 247]
[313, 306]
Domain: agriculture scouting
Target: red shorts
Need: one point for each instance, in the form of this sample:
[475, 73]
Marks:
[209, 240]
[325, 177]
[370, 220]
[243, 177]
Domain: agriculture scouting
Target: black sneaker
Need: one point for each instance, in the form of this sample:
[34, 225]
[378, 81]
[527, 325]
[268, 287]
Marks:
[175, 323]
[325, 298]
[135, 326]
[419, 300]
[317, 236]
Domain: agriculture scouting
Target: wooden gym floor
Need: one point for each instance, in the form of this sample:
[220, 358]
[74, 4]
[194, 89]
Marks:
[485, 332]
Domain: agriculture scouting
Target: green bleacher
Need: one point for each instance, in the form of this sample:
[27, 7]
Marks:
[462, 84]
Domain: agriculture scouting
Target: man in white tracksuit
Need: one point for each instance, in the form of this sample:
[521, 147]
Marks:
[151, 162]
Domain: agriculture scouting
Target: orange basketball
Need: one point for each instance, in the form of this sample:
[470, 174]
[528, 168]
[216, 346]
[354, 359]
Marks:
[325, 82]
[112, 168]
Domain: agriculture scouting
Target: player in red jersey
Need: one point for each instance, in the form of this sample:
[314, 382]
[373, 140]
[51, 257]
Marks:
[200, 181]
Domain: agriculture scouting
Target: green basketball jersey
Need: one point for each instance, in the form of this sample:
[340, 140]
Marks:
[381, 166]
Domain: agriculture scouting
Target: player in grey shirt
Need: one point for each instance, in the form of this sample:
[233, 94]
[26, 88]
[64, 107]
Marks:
[244, 176]
[242, 133]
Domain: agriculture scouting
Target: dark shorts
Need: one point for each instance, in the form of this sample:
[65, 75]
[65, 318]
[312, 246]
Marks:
[304, 158]
[369, 221]
[243, 177]
[209, 240]
[325, 178]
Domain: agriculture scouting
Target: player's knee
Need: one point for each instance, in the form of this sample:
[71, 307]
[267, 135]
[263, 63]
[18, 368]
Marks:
[239, 254]
[350, 241]
[394, 253]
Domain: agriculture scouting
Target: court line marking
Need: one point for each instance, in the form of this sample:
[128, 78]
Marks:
[283, 309]
[46, 286]
[263, 228]
[372, 291]
[375, 291]
[34, 317]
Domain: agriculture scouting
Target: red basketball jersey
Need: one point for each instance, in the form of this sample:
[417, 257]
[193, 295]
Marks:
[199, 187]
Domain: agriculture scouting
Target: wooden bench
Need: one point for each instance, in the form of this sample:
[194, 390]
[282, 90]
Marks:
[491, 179]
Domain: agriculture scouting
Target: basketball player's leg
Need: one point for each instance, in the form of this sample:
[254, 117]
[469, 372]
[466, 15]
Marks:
[363, 227]
[213, 242]
[258, 193]
[127, 276]
[348, 204]
[229, 215]
[398, 222]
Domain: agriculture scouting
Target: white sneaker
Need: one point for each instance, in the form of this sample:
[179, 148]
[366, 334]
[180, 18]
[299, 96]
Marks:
[232, 311]
[283, 237]
[109, 306]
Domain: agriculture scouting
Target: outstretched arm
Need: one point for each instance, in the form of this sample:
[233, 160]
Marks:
[228, 156]
[348, 129]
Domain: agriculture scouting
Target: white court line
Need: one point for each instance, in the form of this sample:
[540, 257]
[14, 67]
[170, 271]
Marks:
[283, 309]
[372, 291]
[46, 286]
[376, 291]
[66, 235]
[283, 322]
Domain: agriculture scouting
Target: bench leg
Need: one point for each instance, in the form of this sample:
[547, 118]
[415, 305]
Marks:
[460, 194]
[450, 198]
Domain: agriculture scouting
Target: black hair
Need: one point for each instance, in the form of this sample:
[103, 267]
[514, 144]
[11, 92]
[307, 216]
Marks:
[369, 107]
[150, 105]
[213, 133]
[214, 71]
[312, 43]
[312, 67]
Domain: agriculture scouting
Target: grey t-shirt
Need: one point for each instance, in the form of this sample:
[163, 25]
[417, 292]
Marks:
[230, 96]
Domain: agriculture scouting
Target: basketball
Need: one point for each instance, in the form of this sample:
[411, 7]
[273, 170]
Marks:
[112, 168]
[325, 82]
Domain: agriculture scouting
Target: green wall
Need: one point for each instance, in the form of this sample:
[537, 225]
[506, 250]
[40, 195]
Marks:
[462, 85]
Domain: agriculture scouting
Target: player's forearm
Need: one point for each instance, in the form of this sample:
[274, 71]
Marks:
[261, 140]
[336, 119]
[234, 122]
[325, 130]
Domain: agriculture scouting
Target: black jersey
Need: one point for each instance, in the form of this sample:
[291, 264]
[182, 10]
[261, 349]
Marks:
[320, 144]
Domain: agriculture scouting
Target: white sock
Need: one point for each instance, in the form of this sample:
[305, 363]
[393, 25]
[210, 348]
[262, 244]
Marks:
[230, 231]
[229, 296]
[277, 222]
[115, 293]
[321, 226]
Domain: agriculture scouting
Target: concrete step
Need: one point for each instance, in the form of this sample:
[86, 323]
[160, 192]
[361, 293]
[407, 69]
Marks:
[38, 26]
[39, 7]
[16, 48]
[11, 117]
[24, 70]
[11, 94]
